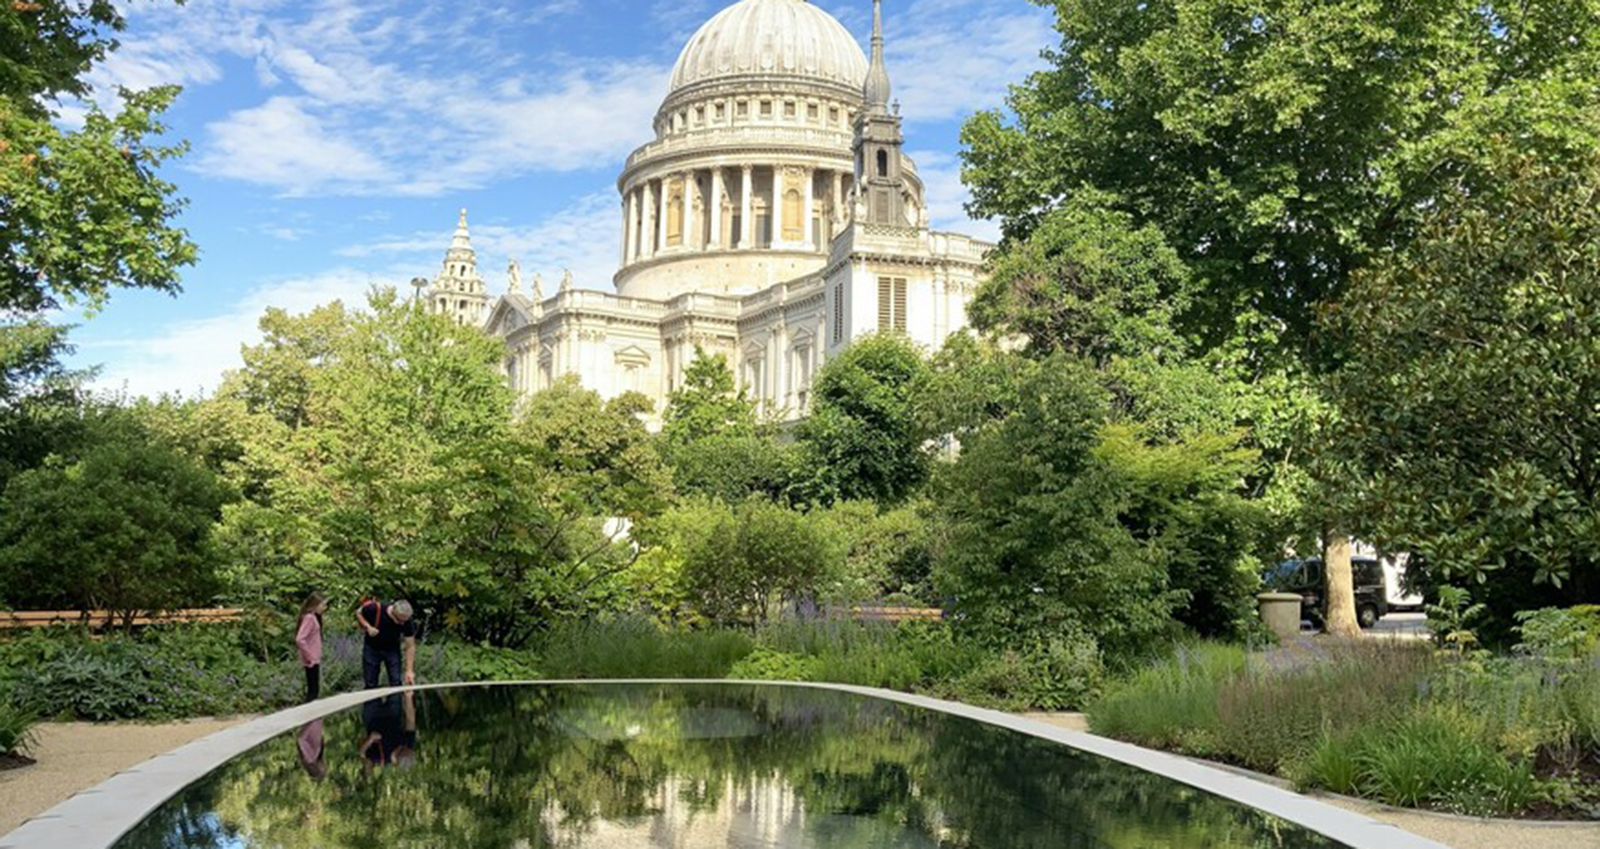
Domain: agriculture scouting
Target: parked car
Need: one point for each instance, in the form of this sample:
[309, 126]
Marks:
[1306, 579]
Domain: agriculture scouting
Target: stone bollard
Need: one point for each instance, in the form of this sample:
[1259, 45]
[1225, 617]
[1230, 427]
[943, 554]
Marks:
[1281, 612]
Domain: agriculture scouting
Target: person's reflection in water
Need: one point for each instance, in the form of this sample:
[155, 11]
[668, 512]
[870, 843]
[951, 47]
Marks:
[391, 724]
[312, 750]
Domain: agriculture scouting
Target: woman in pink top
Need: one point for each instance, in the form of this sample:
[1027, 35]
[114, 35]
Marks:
[309, 640]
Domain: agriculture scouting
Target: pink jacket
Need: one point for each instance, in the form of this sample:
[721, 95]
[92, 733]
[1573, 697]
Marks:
[309, 640]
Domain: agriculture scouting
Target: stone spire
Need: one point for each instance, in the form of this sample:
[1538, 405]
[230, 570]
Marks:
[462, 240]
[876, 90]
[459, 290]
[881, 185]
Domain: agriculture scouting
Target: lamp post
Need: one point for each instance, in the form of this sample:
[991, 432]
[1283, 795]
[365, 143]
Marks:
[418, 284]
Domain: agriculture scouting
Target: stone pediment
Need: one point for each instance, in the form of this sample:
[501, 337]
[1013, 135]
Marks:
[633, 355]
[510, 313]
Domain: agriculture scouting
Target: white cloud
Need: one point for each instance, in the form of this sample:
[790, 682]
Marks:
[950, 58]
[391, 97]
[946, 195]
[190, 356]
[280, 144]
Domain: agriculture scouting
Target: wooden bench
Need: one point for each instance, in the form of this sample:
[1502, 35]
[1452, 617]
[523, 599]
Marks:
[96, 619]
[898, 614]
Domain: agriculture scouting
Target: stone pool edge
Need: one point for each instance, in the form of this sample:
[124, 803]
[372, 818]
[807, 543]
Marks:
[98, 817]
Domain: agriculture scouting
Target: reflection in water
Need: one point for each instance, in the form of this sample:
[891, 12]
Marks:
[391, 731]
[686, 766]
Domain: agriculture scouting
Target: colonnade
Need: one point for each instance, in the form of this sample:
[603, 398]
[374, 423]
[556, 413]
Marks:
[683, 210]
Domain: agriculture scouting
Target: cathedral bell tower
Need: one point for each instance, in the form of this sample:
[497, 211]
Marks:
[879, 178]
[458, 291]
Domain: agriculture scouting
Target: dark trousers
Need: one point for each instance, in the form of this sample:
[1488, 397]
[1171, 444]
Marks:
[373, 660]
[313, 682]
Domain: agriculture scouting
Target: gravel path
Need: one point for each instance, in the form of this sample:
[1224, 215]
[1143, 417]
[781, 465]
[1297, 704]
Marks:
[75, 756]
[1453, 831]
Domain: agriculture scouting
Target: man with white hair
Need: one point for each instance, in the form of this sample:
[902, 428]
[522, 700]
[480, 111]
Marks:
[390, 633]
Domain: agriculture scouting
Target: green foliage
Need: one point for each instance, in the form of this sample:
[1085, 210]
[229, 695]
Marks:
[1034, 546]
[125, 526]
[1467, 414]
[1279, 147]
[85, 210]
[1556, 633]
[467, 662]
[707, 404]
[1061, 674]
[638, 648]
[714, 441]
[887, 552]
[929, 658]
[741, 562]
[1430, 758]
[390, 463]
[862, 439]
[1452, 618]
[1086, 282]
[16, 728]
[765, 664]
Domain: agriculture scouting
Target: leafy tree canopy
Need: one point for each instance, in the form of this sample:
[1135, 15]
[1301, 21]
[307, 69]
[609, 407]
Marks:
[1278, 145]
[1467, 428]
[125, 526]
[862, 439]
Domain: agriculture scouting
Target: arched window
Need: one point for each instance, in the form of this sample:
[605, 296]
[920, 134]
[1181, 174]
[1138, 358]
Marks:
[883, 163]
[675, 219]
[793, 227]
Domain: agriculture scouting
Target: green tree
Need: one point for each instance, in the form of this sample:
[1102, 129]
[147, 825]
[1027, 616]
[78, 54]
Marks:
[714, 441]
[862, 439]
[740, 562]
[1086, 281]
[1467, 408]
[84, 210]
[125, 527]
[1034, 547]
[276, 378]
[1278, 145]
[707, 404]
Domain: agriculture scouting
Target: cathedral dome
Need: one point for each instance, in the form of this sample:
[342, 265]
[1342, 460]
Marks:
[777, 37]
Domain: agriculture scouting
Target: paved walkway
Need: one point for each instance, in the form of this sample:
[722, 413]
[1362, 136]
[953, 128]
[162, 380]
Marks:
[75, 756]
[1457, 832]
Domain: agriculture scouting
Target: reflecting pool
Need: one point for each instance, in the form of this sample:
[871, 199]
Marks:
[711, 765]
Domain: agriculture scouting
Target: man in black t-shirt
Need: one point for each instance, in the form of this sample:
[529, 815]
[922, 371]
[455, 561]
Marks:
[389, 634]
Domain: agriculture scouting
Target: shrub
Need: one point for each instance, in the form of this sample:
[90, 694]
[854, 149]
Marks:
[16, 729]
[126, 527]
[631, 647]
[765, 664]
[742, 561]
[468, 662]
[1060, 675]
[1571, 633]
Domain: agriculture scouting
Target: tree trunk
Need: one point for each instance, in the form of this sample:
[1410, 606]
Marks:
[1341, 588]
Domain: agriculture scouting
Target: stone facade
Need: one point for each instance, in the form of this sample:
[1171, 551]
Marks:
[773, 219]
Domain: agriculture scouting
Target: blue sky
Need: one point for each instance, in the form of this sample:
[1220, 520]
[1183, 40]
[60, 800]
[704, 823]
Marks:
[334, 141]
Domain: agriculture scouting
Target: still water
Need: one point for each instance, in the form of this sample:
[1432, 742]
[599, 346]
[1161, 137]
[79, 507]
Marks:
[730, 765]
